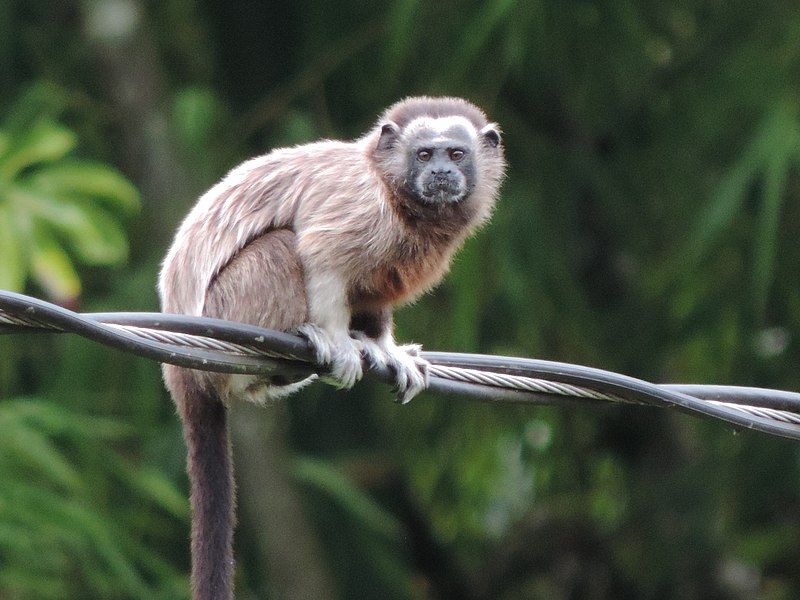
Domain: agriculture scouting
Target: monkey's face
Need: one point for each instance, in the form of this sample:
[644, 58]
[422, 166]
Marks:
[440, 165]
[434, 162]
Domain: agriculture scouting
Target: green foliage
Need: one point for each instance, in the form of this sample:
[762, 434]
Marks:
[647, 225]
[362, 509]
[56, 519]
[54, 209]
[773, 150]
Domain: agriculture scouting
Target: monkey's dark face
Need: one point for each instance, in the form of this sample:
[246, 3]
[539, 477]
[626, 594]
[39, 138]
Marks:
[435, 162]
[440, 165]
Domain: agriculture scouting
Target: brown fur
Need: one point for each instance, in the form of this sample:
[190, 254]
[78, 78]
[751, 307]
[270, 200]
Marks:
[324, 233]
[268, 267]
[205, 432]
[403, 113]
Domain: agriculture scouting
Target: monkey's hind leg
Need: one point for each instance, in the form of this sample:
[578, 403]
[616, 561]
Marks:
[263, 285]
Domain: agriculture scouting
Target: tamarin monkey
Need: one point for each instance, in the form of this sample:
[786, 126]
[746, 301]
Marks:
[322, 239]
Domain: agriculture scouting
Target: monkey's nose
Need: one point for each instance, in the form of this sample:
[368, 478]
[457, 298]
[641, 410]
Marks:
[441, 177]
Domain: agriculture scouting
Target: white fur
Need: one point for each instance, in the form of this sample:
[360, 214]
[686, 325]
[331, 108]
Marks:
[439, 125]
[255, 389]
[411, 370]
[340, 351]
[328, 329]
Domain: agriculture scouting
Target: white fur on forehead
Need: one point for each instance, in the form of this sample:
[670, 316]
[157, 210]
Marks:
[439, 125]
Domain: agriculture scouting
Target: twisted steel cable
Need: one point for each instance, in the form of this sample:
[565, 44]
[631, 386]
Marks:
[227, 347]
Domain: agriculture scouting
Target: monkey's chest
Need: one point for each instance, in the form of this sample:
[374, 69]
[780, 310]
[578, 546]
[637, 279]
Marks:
[398, 281]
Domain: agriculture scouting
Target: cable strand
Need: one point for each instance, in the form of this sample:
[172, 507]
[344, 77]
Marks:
[228, 347]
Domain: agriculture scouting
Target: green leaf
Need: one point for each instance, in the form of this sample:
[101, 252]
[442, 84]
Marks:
[106, 544]
[12, 265]
[101, 239]
[768, 152]
[81, 531]
[57, 420]
[22, 583]
[35, 450]
[769, 141]
[325, 478]
[85, 179]
[766, 244]
[46, 532]
[38, 188]
[94, 236]
[152, 484]
[52, 269]
[44, 142]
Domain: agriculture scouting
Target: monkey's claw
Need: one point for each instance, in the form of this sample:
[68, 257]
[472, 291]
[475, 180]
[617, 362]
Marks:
[411, 371]
[346, 366]
[320, 341]
[341, 352]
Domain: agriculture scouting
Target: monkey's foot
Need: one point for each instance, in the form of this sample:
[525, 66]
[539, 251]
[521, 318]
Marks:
[339, 351]
[410, 369]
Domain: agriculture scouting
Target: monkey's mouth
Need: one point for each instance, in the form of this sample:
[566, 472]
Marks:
[442, 190]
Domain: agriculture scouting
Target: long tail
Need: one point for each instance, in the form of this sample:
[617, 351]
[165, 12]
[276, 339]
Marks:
[210, 471]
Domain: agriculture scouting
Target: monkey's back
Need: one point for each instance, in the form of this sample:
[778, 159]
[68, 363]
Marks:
[306, 189]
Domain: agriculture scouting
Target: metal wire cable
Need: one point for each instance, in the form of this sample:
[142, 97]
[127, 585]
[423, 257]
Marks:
[223, 346]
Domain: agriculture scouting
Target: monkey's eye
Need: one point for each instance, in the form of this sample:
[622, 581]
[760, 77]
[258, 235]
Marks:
[424, 155]
[456, 154]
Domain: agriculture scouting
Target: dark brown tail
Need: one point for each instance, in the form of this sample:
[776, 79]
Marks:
[210, 469]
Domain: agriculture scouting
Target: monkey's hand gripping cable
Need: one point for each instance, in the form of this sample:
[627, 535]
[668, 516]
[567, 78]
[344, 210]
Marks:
[227, 347]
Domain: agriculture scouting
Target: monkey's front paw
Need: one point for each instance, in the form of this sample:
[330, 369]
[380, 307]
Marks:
[346, 364]
[372, 351]
[320, 341]
[339, 351]
[411, 371]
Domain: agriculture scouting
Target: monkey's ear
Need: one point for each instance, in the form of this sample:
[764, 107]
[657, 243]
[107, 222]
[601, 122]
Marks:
[491, 134]
[389, 133]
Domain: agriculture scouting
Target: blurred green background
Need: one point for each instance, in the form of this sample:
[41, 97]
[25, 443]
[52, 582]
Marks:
[648, 225]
